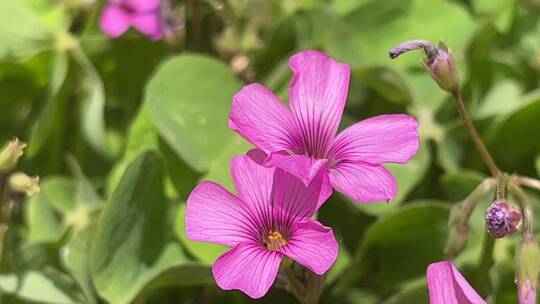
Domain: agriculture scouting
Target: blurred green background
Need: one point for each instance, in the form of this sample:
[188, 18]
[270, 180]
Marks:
[120, 131]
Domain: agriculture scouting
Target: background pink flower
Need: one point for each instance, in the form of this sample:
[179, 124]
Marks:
[302, 140]
[269, 218]
[447, 286]
[144, 15]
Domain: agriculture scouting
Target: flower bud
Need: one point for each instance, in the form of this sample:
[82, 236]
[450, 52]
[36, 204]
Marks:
[458, 232]
[502, 219]
[527, 269]
[439, 62]
[20, 182]
[10, 154]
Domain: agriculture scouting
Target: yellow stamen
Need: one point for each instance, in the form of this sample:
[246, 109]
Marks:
[275, 241]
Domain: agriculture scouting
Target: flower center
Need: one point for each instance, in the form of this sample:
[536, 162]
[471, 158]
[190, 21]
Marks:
[274, 240]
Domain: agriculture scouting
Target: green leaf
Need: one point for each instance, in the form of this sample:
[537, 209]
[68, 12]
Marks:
[412, 292]
[189, 99]
[407, 175]
[387, 82]
[459, 184]
[45, 224]
[21, 31]
[501, 99]
[514, 143]
[415, 233]
[219, 170]
[45, 287]
[537, 164]
[500, 12]
[342, 263]
[206, 253]
[142, 136]
[75, 257]
[131, 245]
[43, 128]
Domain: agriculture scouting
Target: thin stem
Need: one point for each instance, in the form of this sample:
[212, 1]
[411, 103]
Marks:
[526, 208]
[196, 24]
[527, 181]
[315, 286]
[470, 202]
[485, 264]
[488, 160]
[6, 208]
[294, 285]
[502, 184]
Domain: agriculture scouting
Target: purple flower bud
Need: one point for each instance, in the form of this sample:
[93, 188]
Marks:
[428, 47]
[438, 63]
[502, 219]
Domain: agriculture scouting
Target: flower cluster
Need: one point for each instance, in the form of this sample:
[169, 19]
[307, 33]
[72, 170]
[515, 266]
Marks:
[298, 159]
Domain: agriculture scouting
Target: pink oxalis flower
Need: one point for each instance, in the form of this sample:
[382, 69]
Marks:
[302, 139]
[269, 218]
[447, 286]
[144, 15]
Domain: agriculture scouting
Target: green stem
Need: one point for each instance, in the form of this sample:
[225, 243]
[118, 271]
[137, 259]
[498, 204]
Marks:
[484, 265]
[470, 202]
[6, 208]
[488, 160]
[502, 185]
[294, 285]
[315, 286]
[527, 181]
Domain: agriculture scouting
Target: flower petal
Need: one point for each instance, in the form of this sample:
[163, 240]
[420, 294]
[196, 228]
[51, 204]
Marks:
[312, 245]
[114, 21]
[247, 267]
[253, 183]
[259, 157]
[447, 286]
[380, 139]
[292, 199]
[150, 24]
[142, 5]
[317, 96]
[326, 189]
[215, 215]
[303, 167]
[260, 117]
[363, 182]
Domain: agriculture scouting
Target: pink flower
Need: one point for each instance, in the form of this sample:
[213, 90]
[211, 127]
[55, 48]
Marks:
[269, 218]
[447, 286]
[302, 140]
[144, 15]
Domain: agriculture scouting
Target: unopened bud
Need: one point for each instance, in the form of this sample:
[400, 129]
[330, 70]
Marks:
[527, 269]
[20, 182]
[10, 154]
[458, 234]
[439, 62]
[502, 219]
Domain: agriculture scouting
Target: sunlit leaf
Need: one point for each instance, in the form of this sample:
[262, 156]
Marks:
[188, 99]
[48, 287]
[21, 32]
